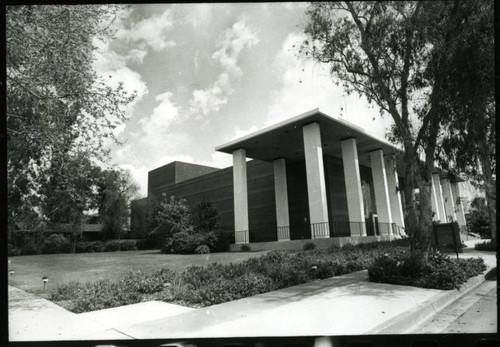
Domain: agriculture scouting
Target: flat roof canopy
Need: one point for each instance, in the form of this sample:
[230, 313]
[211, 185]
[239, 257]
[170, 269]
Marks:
[285, 140]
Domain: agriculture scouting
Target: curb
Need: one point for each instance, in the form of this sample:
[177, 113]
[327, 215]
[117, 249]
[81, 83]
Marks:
[405, 321]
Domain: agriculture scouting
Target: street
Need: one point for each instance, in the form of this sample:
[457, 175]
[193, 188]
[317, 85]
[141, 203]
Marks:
[476, 312]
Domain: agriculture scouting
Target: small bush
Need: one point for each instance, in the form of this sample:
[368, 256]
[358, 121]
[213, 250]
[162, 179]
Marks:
[89, 247]
[56, 243]
[128, 245]
[183, 243]
[309, 246]
[245, 248]
[486, 246]
[13, 251]
[202, 249]
[112, 246]
[441, 272]
[144, 244]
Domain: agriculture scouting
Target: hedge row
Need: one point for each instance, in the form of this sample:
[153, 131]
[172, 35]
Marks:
[440, 272]
[200, 286]
[59, 244]
[490, 245]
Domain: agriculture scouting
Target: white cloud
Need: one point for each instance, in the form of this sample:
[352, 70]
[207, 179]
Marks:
[212, 98]
[113, 67]
[156, 126]
[218, 160]
[236, 38]
[238, 133]
[294, 5]
[153, 31]
[200, 15]
[307, 85]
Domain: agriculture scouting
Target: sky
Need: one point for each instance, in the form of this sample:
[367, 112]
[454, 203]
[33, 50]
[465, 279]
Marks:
[205, 74]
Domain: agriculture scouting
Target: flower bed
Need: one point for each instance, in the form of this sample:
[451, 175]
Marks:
[200, 286]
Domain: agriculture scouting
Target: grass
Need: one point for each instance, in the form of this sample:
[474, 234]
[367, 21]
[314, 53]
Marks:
[92, 267]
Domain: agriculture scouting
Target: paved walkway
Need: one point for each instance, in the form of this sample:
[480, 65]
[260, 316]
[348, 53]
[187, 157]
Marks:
[344, 305]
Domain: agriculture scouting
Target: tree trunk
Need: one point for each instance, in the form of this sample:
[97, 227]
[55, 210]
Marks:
[489, 188]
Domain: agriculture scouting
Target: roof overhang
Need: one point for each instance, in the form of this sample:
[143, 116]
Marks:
[285, 140]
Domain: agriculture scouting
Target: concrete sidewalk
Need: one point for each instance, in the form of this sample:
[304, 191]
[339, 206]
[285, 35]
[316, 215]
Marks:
[344, 305]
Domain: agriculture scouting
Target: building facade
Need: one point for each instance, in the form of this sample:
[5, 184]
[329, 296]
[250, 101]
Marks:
[311, 177]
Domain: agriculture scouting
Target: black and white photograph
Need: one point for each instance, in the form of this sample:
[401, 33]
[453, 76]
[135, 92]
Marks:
[251, 174]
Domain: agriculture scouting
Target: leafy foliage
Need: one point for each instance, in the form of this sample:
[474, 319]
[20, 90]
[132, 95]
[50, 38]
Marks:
[440, 272]
[202, 249]
[58, 110]
[171, 216]
[56, 243]
[179, 229]
[116, 189]
[216, 283]
[490, 245]
[478, 220]
[398, 55]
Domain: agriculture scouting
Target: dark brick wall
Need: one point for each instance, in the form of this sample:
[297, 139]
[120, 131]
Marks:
[261, 201]
[161, 176]
[217, 186]
[186, 171]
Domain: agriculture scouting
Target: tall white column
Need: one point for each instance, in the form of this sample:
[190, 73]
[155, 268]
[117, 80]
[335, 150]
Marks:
[281, 196]
[436, 182]
[394, 192]
[354, 193]
[381, 192]
[240, 196]
[316, 187]
[449, 203]
[459, 208]
[434, 200]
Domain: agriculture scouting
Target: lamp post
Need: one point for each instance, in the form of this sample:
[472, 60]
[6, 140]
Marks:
[45, 279]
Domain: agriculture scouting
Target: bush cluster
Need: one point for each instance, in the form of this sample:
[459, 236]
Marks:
[486, 246]
[181, 230]
[207, 285]
[198, 286]
[440, 272]
[56, 243]
[105, 246]
[106, 294]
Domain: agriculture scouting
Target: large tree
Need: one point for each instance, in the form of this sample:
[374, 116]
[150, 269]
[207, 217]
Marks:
[391, 53]
[58, 110]
[116, 190]
[469, 144]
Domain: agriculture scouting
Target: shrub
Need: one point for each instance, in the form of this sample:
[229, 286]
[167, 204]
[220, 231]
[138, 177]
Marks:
[56, 243]
[202, 249]
[128, 245]
[183, 243]
[441, 272]
[486, 246]
[112, 246]
[245, 248]
[309, 246]
[143, 244]
[223, 240]
[89, 247]
[204, 216]
[12, 251]
[477, 219]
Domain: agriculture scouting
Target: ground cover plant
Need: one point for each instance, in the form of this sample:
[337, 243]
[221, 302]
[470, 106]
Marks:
[490, 245]
[111, 266]
[204, 285]
[199, 286]
[441, 271]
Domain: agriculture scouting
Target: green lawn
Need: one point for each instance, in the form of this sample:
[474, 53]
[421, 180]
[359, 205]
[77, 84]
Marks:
[89, 267]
